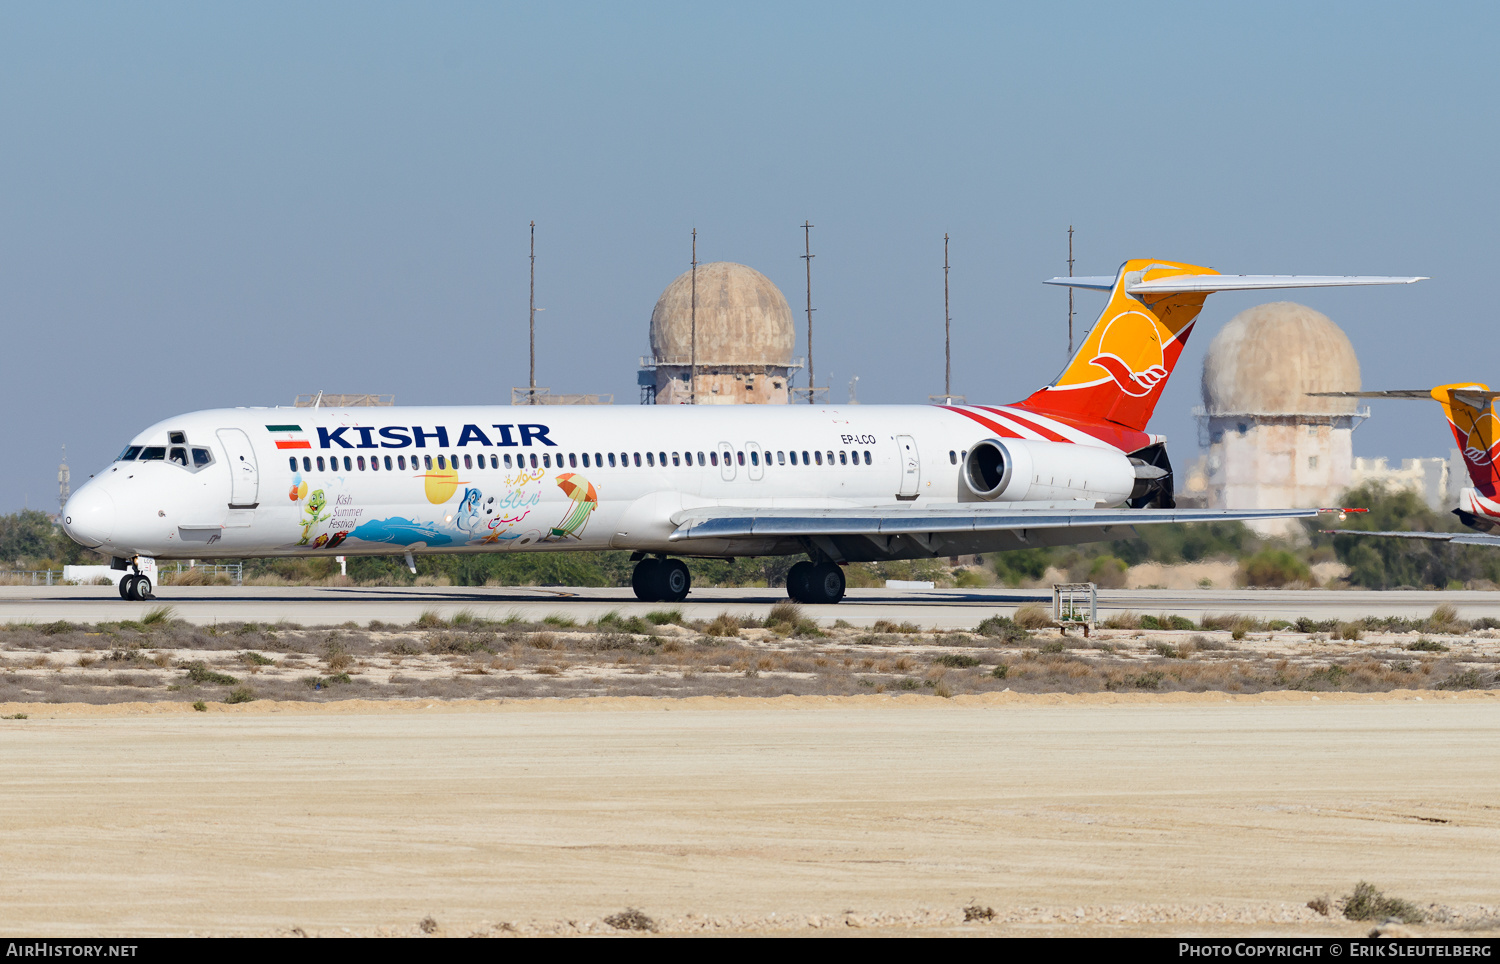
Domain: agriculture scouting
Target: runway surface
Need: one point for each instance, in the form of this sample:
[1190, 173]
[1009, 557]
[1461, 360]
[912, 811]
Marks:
[1195, 812]
[940, 608]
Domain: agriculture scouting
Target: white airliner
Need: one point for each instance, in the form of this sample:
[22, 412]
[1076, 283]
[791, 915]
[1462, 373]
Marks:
[1072, 463]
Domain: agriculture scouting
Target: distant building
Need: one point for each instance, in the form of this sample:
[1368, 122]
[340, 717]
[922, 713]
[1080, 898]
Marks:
[1436, 481]
[744, 337]
[1269, 444]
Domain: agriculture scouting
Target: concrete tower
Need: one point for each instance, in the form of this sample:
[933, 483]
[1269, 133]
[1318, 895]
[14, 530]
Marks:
[1269, 444]
[745, 339]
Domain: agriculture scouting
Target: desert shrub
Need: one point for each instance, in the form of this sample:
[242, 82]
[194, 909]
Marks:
[670, 617]
[1003, 628]
[1165, 621]
[1444, 619]
[630, 919]
[1274, 567]
[956, 661]
[1305, 625]
[1032, 616]
[560, 621]
[1368, 903]
[1000, 671]
[1350, 631]
[1469, 679]
[240, 694]
[886, 626]
[634, 624]
[1129, 619]
[252, 658]
[1147, 681]
[724, 625]
[199, 673]
[1425, 645]
[430, 620]
[1056, 646]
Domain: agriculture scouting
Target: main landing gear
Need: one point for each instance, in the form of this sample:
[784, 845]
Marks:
[818, 583]
[136, 587]
[661, 580]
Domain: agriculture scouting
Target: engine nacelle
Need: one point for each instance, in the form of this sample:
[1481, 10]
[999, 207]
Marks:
[1022, 470]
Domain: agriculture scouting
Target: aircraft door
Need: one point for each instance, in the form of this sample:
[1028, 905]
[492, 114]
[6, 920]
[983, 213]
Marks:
[756, 457]
[911, 466]
[244, 473]
[726, 461]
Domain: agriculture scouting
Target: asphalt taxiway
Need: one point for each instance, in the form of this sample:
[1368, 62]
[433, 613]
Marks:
[935, 608]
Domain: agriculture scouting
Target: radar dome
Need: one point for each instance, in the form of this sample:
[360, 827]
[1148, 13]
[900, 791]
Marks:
[743, 319]
[1266, 360]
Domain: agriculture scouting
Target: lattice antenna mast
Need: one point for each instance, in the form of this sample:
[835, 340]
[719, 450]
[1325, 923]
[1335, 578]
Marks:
[693, 317]
[947, 327]
[1070, 291]
[807, 257]
[532, 399]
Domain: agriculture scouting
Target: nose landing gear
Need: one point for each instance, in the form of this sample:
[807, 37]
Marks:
[661, 580]
[136, 586]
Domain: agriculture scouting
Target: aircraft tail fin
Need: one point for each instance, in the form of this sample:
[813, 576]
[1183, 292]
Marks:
[1123, 365]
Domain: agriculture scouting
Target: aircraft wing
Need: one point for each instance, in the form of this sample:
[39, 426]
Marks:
[1231, 282]
[733, 522]
[1456, 538]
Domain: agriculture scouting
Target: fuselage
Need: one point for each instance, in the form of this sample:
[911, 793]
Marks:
[235, 483]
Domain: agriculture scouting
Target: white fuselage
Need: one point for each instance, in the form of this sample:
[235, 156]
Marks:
[387, 480]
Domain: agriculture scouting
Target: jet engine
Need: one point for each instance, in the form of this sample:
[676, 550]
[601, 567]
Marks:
[1022, 470]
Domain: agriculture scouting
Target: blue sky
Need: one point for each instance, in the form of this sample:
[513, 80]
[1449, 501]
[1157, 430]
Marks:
[217, 205]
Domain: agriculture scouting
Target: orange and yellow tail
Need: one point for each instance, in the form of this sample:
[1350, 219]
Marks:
[1471, 415]
[1120, 371]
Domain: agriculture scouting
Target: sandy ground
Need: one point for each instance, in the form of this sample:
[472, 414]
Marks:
[1180, 814]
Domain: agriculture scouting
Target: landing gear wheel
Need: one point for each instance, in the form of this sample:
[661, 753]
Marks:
[127, 586]
[645, 582]
[796, 580]
[141, 591]
[673, 580]
[825, 584]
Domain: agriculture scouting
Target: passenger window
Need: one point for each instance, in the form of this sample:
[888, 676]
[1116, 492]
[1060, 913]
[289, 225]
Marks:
[154, 453]
[427, 462]
[361, 463]
[401, 462]
[494, 461]
[701, 460]
[804, 458]
[663, 457]
[651, 459]
[867, 456]
[843, 457]
[754, 457]
[306, 462]
[818, 456]
[676, 459]
[794, 457]
[293, 462]
[611, 460]
[585, 460]
[739, 457]
[131, 451]
[830, 456]
[713, 458]
[348, 464]
[573, 460]
[952, 457]
[780, 458]
[533, 461]
[320, 463]
[442, 462]
[637, 460]
[387, 463]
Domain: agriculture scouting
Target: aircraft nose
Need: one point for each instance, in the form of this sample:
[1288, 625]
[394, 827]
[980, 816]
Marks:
[89, 516]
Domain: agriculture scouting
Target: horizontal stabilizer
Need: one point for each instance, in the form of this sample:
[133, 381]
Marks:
[1476, 396]
[1233, 282]
[1456, 538]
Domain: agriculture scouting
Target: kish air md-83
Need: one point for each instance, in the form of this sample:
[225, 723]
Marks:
[1070, 464]
[1470, 410]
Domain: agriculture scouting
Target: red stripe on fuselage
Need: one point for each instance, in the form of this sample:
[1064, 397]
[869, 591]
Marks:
[990, 424]
[1045, 433]
[294, 445]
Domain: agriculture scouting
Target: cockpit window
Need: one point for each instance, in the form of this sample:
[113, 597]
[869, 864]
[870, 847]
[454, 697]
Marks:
[177, 438]
[153, 453]
[131, 451]
[202, 457]
[179, 455]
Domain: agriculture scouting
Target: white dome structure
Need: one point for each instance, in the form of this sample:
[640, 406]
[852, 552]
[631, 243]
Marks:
[741, 326]
[1270, 444]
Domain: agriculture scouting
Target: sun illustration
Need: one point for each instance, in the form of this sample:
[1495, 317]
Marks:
[440, 484]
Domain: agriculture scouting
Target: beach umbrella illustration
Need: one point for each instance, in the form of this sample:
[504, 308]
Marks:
[584, 498]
